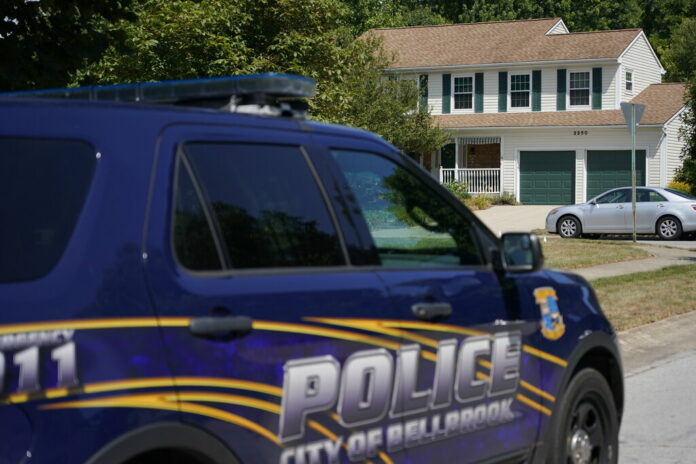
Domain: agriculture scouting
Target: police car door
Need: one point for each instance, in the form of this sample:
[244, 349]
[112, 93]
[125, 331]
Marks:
[464, 388]
[245, 257]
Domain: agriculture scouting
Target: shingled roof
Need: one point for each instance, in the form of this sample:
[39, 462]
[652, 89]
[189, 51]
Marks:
[662, 102]
[498, 42]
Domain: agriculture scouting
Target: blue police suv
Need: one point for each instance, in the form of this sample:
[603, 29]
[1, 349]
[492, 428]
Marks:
[193, 272]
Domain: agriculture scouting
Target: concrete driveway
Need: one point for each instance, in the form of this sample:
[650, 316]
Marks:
[525, 218]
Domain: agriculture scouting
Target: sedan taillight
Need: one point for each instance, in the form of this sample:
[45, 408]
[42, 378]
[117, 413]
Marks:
[694, 207]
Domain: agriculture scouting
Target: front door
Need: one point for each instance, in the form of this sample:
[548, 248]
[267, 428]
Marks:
[464, 390]
[244, 261]
[610, 213]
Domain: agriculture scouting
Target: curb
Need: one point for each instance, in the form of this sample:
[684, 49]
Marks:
[644, 345]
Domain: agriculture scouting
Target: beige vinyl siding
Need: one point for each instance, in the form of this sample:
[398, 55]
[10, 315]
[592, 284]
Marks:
[435, 93]
[675, 144]
[490, 91]
[562, 139]
[548, 89]
[646, 70]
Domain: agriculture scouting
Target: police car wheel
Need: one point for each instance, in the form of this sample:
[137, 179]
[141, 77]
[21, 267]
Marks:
[585, 429]
[569, 227]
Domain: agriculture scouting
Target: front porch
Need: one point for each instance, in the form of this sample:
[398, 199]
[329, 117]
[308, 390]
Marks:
[474, 161]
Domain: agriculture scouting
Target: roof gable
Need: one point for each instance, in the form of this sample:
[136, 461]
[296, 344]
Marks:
[498, 43]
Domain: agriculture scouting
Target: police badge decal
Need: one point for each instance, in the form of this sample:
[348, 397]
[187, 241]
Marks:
[552, 326]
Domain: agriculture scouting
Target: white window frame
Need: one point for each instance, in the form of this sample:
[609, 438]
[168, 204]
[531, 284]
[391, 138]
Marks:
[627, 81]
[589, 101]
[511, 108]
[473, 94]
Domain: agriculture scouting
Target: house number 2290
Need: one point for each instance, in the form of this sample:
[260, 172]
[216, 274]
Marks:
[27, 362]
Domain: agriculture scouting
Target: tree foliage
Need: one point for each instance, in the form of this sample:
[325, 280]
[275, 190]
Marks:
[176, 39]
[41, 42]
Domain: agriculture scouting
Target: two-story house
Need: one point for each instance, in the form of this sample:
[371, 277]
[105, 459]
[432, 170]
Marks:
[535, 110]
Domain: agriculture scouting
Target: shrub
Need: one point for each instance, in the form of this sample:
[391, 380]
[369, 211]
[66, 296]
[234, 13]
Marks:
[680, 186]
[459, 189]
[506, 198]
[478, 202]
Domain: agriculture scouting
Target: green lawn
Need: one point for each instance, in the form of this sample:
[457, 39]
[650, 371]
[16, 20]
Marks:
[636, 299]
[573, 254]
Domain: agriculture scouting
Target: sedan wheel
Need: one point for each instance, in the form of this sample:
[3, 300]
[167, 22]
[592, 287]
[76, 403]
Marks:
[569, 227]
[669, 228]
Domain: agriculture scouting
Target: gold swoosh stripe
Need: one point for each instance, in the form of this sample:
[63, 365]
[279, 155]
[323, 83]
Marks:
[166, 402]
[154, 382]
[142, 322]
[544, 355]
[521, 398]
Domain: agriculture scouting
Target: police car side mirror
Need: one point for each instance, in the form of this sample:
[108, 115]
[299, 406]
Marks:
[521, 252]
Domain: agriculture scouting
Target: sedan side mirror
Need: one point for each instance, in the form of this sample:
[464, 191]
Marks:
[521, 252]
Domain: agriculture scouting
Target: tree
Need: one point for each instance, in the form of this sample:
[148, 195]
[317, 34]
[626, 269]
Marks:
[661, 18]
[176, 39]
[42, 42]
[687, 172]
[679, 58]
[680, 62]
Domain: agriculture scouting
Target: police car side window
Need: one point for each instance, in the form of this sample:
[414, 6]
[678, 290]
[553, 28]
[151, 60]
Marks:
[265, 206]
[410, 224]
[43, 185]
[194, 244]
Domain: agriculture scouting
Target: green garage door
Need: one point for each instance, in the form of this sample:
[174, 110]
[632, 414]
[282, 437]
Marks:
[607, 169]
[547, 177]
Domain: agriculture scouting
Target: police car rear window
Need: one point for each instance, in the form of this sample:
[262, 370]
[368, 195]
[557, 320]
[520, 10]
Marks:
[43, 184]
[264, 205]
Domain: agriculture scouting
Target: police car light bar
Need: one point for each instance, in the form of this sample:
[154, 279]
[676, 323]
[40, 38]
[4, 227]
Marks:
[250, 94]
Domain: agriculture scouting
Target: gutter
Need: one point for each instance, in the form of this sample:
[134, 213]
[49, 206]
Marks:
[504, 65]
[617, 126]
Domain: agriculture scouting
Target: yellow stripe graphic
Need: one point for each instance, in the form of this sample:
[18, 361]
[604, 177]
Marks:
[523, 399]
[167, 402]
[144, 322]
[544, 355]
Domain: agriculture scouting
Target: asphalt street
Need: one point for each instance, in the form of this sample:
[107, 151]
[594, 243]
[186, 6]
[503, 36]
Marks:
[659, 425]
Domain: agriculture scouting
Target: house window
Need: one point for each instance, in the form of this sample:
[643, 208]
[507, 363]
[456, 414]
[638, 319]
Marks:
[519, 90]
[463, 92]
[579, 88]
[629, 81]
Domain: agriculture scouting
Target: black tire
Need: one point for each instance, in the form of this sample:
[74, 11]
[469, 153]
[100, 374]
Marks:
[585, 424]
[569, 227]
[669, 228]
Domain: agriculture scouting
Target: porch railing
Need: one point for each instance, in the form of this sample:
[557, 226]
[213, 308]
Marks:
[478, 181]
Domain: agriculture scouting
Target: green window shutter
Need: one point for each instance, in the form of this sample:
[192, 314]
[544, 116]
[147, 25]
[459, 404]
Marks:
[596, 88]
[446, 92]
[478, 90]
[536, 90]
[502, 91]
[560, 89]
[423, 90]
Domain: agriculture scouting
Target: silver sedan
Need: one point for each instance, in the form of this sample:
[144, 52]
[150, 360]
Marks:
[665, 212]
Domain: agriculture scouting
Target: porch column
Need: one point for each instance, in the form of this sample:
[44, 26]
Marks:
[457, 145]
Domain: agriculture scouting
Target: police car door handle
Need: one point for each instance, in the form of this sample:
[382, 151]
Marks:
[221, 328]
[431, 311]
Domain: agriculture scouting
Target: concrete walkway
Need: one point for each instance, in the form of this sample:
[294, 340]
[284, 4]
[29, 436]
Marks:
[662, 257]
